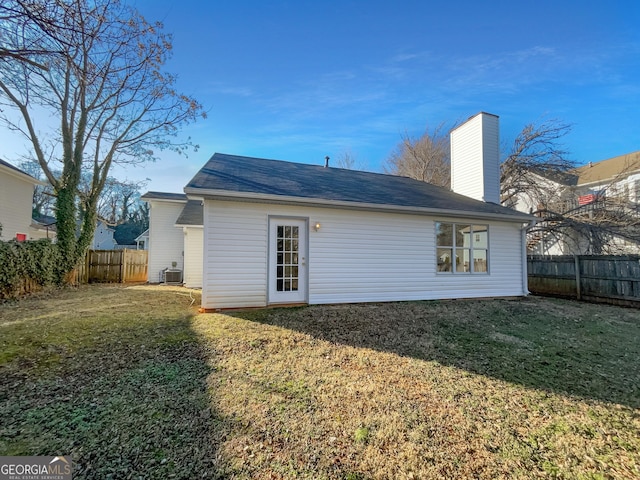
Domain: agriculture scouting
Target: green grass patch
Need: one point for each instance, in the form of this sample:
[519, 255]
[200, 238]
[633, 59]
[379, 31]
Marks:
[113, 376]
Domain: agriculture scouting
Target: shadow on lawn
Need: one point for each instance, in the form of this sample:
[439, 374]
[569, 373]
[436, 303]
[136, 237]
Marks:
[133, 404]
[589, 351]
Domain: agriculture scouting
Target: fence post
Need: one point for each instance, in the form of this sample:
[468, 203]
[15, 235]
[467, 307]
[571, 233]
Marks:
[87, 266]
[123, 265]
[576, 259]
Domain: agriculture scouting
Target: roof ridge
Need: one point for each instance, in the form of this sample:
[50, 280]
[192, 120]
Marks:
[321, 167]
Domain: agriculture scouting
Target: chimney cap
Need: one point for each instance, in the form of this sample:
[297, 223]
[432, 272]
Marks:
[326, 161]
[472, 117]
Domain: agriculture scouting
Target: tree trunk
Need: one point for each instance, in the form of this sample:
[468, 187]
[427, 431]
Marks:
[66, 225]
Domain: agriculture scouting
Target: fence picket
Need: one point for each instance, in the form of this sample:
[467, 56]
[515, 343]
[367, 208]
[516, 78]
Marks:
[599, 278]
[113, 266]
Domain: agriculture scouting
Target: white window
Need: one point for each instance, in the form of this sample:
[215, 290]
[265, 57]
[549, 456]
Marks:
[462, 247]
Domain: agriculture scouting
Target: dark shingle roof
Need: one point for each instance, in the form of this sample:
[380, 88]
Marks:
[164, 196]
[272, 178]
[46, 220]
[192, 214]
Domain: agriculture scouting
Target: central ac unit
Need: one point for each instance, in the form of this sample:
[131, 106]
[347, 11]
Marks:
[172, 276]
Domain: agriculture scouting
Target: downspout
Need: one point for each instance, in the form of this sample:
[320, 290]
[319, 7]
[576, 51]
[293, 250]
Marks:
[523, 234]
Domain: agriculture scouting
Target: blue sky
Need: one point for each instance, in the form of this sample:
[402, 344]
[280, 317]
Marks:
[298, 80]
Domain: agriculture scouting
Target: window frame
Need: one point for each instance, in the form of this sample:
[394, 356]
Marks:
[454, 248]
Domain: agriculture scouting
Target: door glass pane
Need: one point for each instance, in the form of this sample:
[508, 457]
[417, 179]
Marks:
[287, 258]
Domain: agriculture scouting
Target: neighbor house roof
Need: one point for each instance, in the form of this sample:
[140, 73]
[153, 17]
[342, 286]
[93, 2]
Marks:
[46, 220]
[142, 235]
[171, 197]
[191, 215]
[607, 170]
[275, 181]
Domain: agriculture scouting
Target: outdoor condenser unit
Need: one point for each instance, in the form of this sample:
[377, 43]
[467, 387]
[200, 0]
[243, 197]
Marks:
[172, 275]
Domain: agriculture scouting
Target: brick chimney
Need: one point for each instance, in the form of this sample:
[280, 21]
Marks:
[475, 158]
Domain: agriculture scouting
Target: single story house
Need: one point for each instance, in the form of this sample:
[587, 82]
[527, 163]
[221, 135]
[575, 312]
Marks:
[277, 232]
[174, 238]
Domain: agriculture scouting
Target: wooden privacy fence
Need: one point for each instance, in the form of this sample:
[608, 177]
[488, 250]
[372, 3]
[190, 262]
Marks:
[600, 278]
[113, 266]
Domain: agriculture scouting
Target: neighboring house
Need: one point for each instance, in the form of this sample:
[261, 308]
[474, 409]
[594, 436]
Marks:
[16, 200]
[582, 193]
[142, 240]
[277, 232]
[103, 236]
[174, 238]
[43, 226]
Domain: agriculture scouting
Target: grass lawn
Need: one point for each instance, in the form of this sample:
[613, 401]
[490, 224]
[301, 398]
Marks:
[133, 383]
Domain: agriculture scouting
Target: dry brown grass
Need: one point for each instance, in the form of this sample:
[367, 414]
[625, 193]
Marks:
[132, 383]
[425, 390]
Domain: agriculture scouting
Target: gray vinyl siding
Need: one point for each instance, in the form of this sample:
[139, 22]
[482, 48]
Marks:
[355, 256]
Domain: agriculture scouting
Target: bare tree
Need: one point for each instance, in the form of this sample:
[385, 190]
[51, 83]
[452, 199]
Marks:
[538, 176]
[30, 30]
[427, 158]
[348, 161]
[604, 222]
[536, 155]
[118, 199]
[43, 196]
[112, 100]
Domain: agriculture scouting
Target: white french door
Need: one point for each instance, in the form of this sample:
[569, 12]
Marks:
[287, 260]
